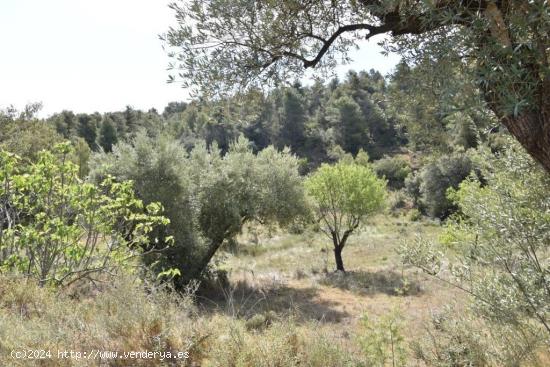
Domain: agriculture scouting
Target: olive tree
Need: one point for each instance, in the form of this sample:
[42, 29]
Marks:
[208, 196]
[222, 45]
[344, 195]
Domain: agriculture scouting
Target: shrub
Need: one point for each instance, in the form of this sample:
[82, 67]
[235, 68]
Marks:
[500, 243]
[57, 229]
[120, 316]
[397, 200]
[428, 187]
[393, 169]
[381, 340]
[415, 215]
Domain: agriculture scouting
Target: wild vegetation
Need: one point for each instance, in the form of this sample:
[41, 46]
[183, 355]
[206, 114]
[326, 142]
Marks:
[217, 227]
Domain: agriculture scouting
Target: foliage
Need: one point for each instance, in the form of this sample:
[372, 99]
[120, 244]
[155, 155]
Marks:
[394, 170]
[23, 134]
[158, 169]
[107, 135]
[501, 242]
[437, 111]
[364, 111]
[344, 194]
[316, 34]
[57, 229]
[80, 155]
[207, 196]
[501, 46]
[87, 126]
[349, 122]
[429, 186]
[456, 337]
[293, 117]
[123, 315]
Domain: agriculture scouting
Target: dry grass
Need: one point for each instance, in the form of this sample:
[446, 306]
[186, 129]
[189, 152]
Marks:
[283, 306]
[121, 317]
[124, 317]
[299, 279]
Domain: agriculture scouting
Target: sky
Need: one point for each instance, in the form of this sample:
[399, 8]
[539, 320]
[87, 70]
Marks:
[100, 55]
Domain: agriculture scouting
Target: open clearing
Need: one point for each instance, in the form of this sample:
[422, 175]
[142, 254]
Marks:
[292, 275]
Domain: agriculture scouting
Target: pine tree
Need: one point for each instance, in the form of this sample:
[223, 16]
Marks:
[107, 135]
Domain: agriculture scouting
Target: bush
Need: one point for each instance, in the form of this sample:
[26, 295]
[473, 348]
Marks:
[121, 316]
[397, 200]
[57, 229]
[393, 169]
[429, 186]
[382, 341]
[415, 215]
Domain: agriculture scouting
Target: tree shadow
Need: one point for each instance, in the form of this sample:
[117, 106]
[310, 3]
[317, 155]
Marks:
[369, 283]
[243, 300]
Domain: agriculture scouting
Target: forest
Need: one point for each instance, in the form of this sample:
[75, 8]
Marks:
[278, 220]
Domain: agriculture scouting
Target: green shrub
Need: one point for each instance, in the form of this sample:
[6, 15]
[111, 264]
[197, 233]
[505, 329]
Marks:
[428, 187]
[500, 243]
[57, 229]
[393, 169]
[382, 341]
[415, 215]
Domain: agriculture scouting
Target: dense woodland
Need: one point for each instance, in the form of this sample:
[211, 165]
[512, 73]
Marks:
[378, 220]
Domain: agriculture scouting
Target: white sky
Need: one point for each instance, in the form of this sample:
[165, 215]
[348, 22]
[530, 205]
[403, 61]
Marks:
[98, 55]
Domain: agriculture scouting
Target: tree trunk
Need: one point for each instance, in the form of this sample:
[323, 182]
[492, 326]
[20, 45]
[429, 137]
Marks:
[532, 130]
[338, 258]
[205, 260]
[532, 126]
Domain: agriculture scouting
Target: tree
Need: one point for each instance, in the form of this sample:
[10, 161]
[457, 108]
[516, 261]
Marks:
[80, 156]
[207, 195]
[226, 44]
[87, 129]
[23, 134]
[27, 138]
[107, 135]
[346, 117]
[394, 169]
[64, 122]
[131, 118]
[429, 187]
[293, 118]
[173, 108]
[345, 194]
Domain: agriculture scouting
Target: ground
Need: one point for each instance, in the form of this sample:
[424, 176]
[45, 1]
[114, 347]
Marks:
[293, 274]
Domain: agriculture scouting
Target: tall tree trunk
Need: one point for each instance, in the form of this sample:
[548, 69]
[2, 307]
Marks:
[205, 260]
